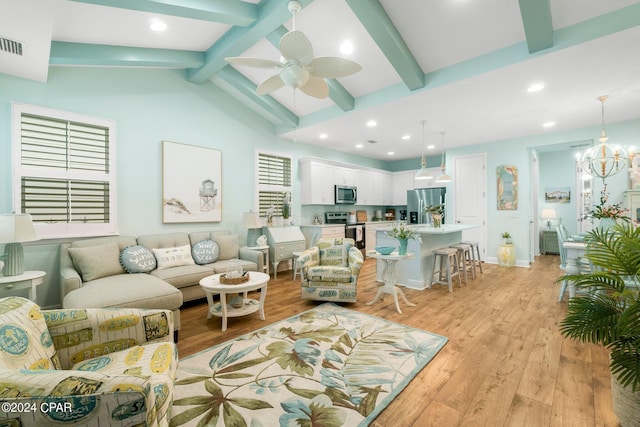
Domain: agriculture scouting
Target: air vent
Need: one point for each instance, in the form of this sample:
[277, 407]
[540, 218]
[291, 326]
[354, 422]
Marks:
[11, 46]
[371, 141]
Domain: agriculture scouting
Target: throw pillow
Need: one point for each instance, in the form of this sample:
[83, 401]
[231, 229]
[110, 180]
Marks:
[229, 245]
[137, 259]
[173, 257]
[97, 261]
[205, 252]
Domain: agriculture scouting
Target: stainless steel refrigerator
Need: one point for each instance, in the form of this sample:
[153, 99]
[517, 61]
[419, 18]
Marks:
[419, 199]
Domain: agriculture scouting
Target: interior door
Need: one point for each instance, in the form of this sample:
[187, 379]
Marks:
[470, 196]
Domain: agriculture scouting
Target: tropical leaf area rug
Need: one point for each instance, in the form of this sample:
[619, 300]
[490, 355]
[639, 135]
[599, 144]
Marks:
[328, 366]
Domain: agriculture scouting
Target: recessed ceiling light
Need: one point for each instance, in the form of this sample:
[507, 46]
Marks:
[346, 47]
[430, 147]
[406, 137]
[548, 124]
[359, 145]
[158, 25]
[536, 87]
[390, 153]
[371, 123]
[323, 136]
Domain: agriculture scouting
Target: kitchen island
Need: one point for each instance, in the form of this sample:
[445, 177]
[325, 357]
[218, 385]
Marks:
[417, 272]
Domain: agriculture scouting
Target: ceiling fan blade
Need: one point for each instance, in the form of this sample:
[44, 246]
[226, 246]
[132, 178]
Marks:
[332, 67]
[254, 62]
[269, 85]
[316, 87]
[295, 45]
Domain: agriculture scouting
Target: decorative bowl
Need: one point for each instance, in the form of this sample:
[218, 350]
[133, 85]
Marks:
[385, 250]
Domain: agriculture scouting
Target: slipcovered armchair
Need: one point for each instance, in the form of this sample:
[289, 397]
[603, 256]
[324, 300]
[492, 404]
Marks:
[87, 367]
[329, 271]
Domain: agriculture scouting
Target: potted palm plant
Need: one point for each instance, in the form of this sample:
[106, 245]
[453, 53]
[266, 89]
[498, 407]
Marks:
[609, 312]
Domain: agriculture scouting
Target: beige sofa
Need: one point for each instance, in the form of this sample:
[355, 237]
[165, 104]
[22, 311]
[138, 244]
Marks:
[92, 274]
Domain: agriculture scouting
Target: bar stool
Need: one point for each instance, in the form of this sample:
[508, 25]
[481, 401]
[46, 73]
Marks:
[448, 257]
[475, 250]
[464, 259]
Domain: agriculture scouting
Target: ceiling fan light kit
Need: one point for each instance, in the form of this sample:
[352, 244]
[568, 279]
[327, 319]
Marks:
[298, 67]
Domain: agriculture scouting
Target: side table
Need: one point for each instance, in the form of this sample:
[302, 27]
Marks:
[265, 255]
[27, 280]
[389, 277]
[211, 286]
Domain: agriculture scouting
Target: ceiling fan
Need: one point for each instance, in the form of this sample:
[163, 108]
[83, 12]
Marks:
[298, 67]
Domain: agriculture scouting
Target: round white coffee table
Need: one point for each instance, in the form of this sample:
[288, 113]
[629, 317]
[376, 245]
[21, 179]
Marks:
[212, 286]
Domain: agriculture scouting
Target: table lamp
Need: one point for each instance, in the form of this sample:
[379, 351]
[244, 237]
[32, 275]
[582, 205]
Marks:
[251, 221]
[15, 229]
[548, 214]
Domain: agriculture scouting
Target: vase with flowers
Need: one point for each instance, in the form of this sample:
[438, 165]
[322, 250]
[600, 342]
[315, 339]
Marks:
[607, 214]
[403, 233]
[436, 212]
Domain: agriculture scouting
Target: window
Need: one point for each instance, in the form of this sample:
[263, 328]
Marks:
[274, 181]
[64, 172]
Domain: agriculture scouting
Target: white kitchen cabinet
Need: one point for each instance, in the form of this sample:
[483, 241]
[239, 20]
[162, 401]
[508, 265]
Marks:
[402, 181]
[317, 183]
[365, 184]
[370, 230]
[382, 188]
[344, 176]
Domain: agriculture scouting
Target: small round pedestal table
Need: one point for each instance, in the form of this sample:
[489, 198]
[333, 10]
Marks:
[389, 278]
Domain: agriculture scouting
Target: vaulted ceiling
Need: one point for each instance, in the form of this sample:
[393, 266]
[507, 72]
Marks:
[464, 66]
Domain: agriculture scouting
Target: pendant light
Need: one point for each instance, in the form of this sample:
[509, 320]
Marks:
[443, 177]
[423, 173]
[603, 160]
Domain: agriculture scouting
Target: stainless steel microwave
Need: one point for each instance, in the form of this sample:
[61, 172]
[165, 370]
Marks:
[346, 195]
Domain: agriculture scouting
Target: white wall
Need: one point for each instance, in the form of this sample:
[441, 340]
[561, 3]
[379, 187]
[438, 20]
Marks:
[150, 106]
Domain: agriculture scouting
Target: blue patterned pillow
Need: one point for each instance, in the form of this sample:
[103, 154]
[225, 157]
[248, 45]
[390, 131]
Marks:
[205, 252]
[137, 259]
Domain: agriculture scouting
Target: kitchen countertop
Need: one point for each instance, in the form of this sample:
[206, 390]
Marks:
[444, 229]
[388, 223]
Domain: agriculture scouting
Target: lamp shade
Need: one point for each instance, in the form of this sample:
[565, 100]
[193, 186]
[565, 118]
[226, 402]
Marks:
[443, 177]
[17, 228]
[548, 213]
[251, 220]
[423, 173]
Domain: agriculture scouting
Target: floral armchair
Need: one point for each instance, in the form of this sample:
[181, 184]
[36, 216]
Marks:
[329, 270]
[85, 367]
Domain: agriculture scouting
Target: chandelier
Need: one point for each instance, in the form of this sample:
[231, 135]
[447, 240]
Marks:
[603, 160]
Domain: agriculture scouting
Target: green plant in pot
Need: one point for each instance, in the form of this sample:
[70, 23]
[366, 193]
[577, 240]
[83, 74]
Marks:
[608, 313]
[506, 237]
[403, 233]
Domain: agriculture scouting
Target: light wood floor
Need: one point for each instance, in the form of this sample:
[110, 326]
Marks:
[505, 364]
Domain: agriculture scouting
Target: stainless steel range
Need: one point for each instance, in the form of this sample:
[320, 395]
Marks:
[352, 230]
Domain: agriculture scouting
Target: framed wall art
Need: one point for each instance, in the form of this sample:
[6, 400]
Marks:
[557, 194]
[191, 183]
[507, 178]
